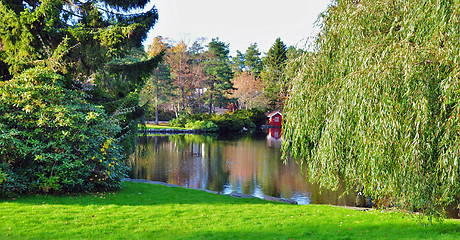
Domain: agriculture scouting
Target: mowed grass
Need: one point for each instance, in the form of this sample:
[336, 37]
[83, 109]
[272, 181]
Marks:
[145, 211]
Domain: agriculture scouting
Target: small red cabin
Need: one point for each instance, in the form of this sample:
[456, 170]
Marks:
[275, 118]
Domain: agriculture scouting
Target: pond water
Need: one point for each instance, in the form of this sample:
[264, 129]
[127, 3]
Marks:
[249, 164]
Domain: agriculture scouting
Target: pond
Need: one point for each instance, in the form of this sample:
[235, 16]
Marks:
[249, 164]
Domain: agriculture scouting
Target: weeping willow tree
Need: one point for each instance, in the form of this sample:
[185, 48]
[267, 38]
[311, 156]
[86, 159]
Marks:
[376, 107]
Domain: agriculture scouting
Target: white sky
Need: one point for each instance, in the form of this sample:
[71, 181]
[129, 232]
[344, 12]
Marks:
[238, 22]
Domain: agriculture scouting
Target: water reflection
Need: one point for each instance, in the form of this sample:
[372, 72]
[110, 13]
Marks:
[248, 164]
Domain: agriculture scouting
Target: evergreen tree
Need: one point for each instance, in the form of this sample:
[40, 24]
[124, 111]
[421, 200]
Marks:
[292, 53]
[29, 32]
[252, 60]
[274, 64]
[103, 55]
[217, 66]
[238, 62]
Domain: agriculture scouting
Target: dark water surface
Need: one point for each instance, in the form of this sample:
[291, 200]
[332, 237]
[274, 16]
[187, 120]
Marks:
[248, 164]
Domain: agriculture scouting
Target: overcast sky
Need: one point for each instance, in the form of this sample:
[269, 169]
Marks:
[238, 22]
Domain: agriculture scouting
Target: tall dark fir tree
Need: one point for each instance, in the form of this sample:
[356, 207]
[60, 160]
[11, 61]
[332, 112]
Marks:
[217, 66]
[274, 63]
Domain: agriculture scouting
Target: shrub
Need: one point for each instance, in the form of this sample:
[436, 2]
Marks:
[212, 127]
[235, 122]
[54, 141]
[178, 122]
[228, 123]
[257, 116]
[203, 126]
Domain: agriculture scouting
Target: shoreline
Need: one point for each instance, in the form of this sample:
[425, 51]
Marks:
[232, 194]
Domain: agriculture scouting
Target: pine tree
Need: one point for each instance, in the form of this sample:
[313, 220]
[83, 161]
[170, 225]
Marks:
[252, 60]
[95, 35]
[217, 66]
[238, 62]
[274, 64]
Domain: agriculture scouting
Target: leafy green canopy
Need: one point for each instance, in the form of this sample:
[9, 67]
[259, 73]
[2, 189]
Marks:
[67, 65]
[377, 106]
[51, 140]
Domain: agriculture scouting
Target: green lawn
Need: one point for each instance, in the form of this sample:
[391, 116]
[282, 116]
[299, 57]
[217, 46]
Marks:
[144, 211]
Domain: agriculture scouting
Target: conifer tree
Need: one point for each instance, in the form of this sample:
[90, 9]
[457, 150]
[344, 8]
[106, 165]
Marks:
[217, 66]
[274, 64]
[252, 60]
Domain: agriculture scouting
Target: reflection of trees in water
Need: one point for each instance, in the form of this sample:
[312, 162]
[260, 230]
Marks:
[269, 173]
[144, 162]
[204, 162]
[217, 173]
[187, 160]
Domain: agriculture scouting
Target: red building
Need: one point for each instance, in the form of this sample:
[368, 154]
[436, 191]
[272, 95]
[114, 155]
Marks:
[275, 118]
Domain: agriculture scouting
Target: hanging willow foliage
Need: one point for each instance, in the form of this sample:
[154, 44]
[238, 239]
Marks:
[377, 105]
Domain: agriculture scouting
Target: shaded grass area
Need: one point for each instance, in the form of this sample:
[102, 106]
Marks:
[145, 211]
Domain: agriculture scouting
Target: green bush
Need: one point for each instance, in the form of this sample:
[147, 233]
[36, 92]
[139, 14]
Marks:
[228, 123]
[183, 120]
[203, 126]
[211, 127]
[178, 122]
[257, 116]
[235, 122]
[52, 140]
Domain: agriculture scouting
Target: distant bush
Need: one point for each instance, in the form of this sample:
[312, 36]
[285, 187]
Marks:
[228, 123]
[257, 116]
[234, 122]
[54, 141]
[185, 119]
[178, 122]
[203, 126]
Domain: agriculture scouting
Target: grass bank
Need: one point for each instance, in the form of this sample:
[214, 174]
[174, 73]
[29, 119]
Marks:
[144, 211]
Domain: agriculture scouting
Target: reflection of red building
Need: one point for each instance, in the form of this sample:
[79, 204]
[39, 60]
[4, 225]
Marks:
[274, 138]
[275, 118]
[275, 133]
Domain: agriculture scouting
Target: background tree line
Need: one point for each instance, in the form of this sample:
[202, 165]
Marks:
[196, 78]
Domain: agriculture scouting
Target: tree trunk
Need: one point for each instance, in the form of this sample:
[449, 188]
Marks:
[156, 106]
[199, 100]
[210, 103]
